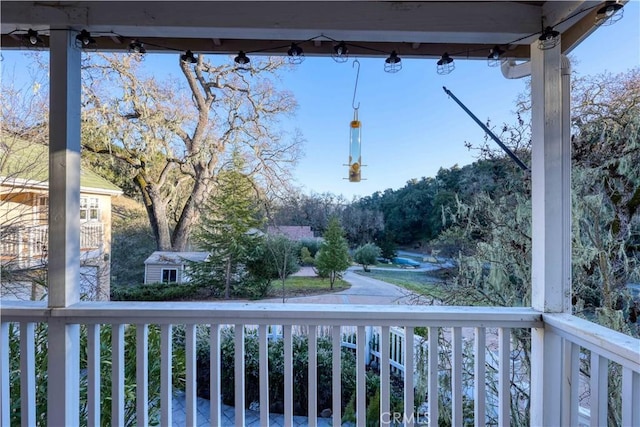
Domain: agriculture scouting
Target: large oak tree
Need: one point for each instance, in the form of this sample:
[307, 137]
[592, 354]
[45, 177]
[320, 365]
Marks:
[170, 138]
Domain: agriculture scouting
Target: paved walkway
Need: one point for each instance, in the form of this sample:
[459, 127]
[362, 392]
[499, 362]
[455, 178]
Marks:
[363, 290]
[252, 418]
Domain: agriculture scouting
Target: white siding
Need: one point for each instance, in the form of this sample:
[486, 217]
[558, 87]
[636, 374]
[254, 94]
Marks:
[153, 272]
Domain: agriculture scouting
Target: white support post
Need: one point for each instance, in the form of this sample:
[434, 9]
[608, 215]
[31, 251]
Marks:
[64, 170]
[64, 227]
[551, 226]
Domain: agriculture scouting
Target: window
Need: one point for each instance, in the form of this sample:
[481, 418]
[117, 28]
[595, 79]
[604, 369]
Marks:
[89, 209]
[169, 275]
[42, 209]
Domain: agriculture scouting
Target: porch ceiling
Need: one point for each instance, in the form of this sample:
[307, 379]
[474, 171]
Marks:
[427, 29]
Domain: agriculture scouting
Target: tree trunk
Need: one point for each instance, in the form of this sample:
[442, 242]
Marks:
[188, 216]
[227, 280]
[157, 213]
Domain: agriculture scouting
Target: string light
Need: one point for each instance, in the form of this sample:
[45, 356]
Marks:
[242, 62]
[296, 54]
[33, 38]
[610, 13]
[188, 58]
[393, 63]
[445, 64]
[85, 41]
[493, 60]
[137, 47]
[548, 39]
[340, 53]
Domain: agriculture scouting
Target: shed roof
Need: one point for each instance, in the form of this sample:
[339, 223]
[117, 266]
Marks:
[175, 258]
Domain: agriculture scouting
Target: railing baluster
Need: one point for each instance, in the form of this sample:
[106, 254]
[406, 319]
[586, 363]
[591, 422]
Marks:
[504, 384]
[313, 375]
[336, 378]
[191, 393]
[93, 375]
[142, 374]
[117, 374]
[239, 374]
[479, 370]
[570, 383]
[631, 396]
[288, 376]
[214, 380]
[599, 386]
[361, 378]
[28, 373]
[433, 376]
[5, 376]
[409, 369]
[385, 380]
[456, 376]
[575, 382]
[263, 339]
[166, 383]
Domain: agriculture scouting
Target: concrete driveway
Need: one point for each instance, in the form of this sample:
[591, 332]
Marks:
[363, 290]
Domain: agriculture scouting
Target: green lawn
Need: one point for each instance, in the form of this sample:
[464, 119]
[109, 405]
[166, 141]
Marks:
[302, 286]
[416, 281]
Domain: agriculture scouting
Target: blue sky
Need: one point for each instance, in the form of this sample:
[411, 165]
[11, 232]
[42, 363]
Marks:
[410, 128]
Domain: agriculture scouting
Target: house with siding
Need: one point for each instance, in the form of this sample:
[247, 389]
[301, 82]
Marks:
[169, 267]
[24, 223]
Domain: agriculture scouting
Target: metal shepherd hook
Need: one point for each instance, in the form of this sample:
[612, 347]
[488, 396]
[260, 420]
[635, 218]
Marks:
[355, 88]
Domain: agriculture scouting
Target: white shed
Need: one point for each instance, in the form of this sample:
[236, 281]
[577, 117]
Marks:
[169, 267]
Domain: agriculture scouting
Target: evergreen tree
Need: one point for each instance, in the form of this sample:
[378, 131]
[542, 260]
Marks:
[227, 230]
[333, 258]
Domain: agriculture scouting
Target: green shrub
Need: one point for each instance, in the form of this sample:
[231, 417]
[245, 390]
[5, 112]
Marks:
[312, 245]
[367, 255]
[306, 258]
[276, 371]
[154, 292]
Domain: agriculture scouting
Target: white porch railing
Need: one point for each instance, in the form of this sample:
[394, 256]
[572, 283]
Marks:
[91, 235]
[27, 246]
[607, 348]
